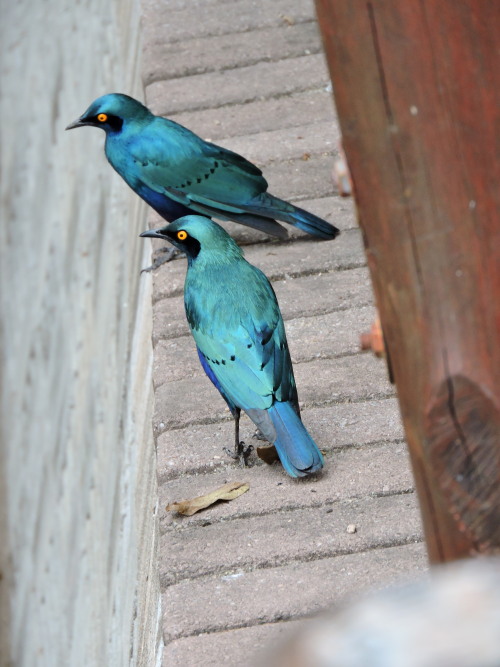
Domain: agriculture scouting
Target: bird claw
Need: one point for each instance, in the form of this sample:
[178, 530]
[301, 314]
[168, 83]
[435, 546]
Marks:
[240, 454]
[162, 256]
[258, 435]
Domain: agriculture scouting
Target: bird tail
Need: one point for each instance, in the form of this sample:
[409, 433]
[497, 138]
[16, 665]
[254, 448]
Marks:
[270, 206]
[298, 452]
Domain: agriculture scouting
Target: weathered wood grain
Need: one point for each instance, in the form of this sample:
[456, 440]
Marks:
[417, 93]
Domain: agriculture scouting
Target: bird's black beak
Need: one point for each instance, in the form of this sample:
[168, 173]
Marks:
[154, 234]
[76, 123]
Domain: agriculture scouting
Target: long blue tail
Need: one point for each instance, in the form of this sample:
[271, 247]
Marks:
[271, 206]
[310, 223]
[298, 452]
[266, 205]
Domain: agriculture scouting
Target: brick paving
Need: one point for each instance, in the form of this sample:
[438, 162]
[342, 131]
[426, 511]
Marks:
[251, 76]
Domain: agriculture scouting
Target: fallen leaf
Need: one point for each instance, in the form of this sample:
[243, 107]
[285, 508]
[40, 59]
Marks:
[267, 453]
[193, 505]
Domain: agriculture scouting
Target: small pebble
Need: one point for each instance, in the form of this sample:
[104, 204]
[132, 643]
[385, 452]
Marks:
[351, 528]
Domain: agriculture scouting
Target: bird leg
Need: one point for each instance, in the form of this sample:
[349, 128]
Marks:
[241, 451]
[162, 256]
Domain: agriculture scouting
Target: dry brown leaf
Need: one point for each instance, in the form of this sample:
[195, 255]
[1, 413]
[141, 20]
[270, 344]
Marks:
[193, 505]
[267, 453]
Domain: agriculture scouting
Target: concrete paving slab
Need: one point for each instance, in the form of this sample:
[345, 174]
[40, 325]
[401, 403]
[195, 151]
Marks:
[346, 290]
[196, 401]
[304, 257]
[239, 86]
[242, 598]
[324, 336]
[176, 22]
[341, 259]
[198, 448]
[295, 179]
[284, 536]
[250, 76]
[248, 646]
[164, 60]
[369, 470]
[339, 212]
[284, 144]
[274, 113]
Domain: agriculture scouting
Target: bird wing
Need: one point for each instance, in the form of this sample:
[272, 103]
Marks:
[174, 161]
[241, 336]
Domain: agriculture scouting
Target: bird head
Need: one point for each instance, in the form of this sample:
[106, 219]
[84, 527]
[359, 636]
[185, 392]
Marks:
[109, 112]
[196, 235]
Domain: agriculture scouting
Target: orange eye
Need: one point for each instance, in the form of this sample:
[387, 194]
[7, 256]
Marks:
[102, 117]
[182, 235]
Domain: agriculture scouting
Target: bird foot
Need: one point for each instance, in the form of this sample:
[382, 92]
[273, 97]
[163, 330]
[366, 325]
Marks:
[240, 454]
[162, 256]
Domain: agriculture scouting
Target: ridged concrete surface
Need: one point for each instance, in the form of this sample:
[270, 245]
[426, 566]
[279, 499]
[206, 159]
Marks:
[251, 76]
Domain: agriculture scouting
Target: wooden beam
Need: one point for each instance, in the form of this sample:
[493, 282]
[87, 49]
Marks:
[417, 89]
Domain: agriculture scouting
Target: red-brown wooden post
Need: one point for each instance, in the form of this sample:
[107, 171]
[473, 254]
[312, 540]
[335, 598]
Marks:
[417, 89]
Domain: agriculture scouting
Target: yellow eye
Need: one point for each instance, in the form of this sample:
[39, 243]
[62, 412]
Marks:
[102, 117]
[182, 235]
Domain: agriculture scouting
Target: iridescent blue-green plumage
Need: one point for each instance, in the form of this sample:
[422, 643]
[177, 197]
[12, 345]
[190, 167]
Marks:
[178, 173]
[235, 320]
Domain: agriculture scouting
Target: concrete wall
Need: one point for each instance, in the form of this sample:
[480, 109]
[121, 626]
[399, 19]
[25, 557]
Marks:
[77, 469]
